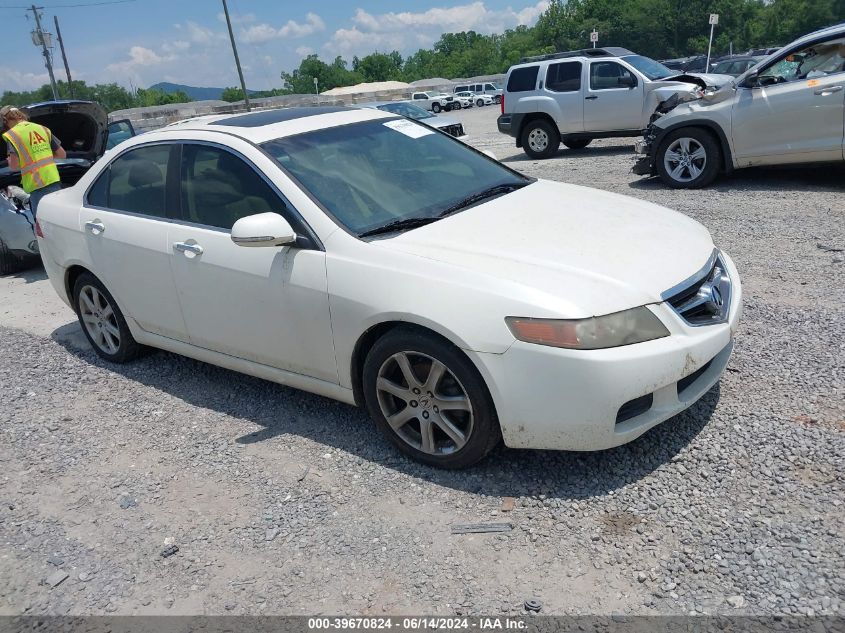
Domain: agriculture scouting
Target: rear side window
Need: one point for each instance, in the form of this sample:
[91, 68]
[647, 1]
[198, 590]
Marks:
[134, 182]
[219, 188]
[461, 89]
[523, 79]
[564, 77]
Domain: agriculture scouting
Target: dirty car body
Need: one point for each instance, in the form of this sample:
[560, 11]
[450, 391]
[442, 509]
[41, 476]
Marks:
[566, 317]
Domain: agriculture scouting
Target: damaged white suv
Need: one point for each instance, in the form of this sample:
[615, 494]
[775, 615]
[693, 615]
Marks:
[788, 109]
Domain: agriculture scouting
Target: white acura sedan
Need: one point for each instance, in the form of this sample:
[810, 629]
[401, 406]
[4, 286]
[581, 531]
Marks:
[379, 262]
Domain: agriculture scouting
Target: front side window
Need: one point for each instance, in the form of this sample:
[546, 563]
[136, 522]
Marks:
[610, 75]
[489, 87]
[373, 173]
[134, 182]
[523, 79]
[564, 77]
[219, 188]
[818, 60]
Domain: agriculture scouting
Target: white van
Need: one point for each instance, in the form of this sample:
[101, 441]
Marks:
[483, 88]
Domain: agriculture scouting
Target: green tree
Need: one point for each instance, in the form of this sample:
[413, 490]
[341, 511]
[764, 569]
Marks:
[232, 94]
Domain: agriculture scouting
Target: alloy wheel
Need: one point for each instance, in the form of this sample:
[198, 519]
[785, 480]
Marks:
[424, 403]
[685, 159]
[100, 320]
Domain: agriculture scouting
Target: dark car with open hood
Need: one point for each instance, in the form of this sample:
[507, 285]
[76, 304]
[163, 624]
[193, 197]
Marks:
[85, 133]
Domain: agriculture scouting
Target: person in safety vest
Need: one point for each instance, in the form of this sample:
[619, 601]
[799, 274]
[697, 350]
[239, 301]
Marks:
[32, 148]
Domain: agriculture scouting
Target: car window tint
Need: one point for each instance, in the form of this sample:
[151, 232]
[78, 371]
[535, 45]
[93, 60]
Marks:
[523, 79]
[98, 194]
[607, 75]
[219, 188]
[564, 77]
[136, 182]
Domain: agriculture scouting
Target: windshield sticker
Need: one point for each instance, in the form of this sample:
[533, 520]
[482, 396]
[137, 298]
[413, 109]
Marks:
[412, 130]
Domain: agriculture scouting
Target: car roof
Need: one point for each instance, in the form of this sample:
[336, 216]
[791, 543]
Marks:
[264, 125]
[830, 30]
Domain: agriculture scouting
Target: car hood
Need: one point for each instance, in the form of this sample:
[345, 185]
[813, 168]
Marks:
[584, 251]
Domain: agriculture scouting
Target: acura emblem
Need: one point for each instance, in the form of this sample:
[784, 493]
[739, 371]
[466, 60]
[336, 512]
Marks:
[716, 297]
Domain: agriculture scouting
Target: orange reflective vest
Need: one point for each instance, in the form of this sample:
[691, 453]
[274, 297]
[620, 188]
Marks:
[32, 144]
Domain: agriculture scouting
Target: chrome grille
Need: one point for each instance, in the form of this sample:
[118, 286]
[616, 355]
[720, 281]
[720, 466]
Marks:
[704, 298]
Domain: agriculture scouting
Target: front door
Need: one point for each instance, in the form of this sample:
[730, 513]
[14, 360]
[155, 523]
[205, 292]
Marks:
[613, 100]
[267, 305]
[796, 110]
[125, 220]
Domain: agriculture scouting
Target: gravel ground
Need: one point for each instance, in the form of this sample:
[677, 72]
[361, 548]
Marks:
[283, 502]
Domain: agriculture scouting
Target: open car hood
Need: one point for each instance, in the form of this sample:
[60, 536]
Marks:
[702, 80]
[81, 126]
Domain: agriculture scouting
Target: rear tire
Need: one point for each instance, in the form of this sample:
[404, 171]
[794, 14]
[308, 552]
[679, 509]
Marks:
[102, 321]
[435, 107]
[688, 158]
[577, 143]
[456, 106]
[540, 139]
[440, 410]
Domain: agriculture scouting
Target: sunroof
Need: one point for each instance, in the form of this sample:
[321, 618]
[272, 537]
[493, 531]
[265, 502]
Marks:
[268, 117]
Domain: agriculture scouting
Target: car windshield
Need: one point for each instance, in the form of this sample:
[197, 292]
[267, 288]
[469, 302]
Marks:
[372, 174]
[648, 67]
[406, 109]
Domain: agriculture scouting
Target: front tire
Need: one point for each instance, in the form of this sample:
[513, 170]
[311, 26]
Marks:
[102, 321]
[435, 107]
[456, 106]
[479, 103]
[688, 158]
[540, 139]
[429, 400]
[577, 143]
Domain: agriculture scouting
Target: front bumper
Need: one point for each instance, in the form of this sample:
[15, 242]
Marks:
[558, 399]
[646, 166]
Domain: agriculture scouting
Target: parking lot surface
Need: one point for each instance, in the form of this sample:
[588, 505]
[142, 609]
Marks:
[287, 503]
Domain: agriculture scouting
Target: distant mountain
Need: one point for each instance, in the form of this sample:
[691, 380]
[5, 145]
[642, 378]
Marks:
[197, 94]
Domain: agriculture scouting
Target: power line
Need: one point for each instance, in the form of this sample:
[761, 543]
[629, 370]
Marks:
[72, 6]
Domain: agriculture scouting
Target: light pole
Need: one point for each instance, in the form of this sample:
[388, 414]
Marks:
[316, 91]
[237, 60]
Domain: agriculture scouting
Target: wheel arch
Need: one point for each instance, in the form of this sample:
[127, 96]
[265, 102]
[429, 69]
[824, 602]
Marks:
[529, 117]
[372, 334]
[709, 126]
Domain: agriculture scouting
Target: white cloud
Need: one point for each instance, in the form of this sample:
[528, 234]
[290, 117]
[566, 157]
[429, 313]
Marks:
[396, 30]
[139, 57]
[175, 46]
[13, 79]
[304, 51]
[265, 32]
[200, 34]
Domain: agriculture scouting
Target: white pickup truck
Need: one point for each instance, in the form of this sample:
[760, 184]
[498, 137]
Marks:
[433, 101]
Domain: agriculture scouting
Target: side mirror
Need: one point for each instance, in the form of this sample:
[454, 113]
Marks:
[263, 229]
[627, 81]
[751, 80]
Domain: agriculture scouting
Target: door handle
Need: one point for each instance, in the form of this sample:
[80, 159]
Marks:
[184, 247]
[96, 227]
[823, 92]
[590, 98]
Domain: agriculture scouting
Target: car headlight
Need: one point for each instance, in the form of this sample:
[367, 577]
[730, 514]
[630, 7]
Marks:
[611, 330]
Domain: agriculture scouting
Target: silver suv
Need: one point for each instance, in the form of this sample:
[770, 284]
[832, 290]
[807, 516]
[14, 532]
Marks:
[790, 108]
[577, 96]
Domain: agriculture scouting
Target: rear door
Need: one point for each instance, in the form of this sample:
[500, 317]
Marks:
[125, 219]
[613, 99]
[267, 305]
[563, 84]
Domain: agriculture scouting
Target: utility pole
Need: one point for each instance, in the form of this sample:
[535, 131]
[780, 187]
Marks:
[64, 56]
[42, 40]
[237, 60]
